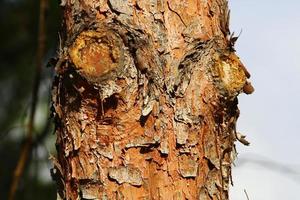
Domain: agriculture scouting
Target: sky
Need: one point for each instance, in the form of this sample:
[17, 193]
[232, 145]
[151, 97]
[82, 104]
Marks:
[269, 46]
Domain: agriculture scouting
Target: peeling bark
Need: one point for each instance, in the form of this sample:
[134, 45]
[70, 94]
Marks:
[145, 100]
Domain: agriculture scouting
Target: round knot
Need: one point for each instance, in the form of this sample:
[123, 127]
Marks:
[95, 53]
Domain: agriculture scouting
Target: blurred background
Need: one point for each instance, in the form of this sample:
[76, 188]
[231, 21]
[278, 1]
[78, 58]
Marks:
[269, 169]
[19, 37]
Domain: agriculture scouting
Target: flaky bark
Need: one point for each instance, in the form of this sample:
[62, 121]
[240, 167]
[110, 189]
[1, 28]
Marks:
[145, 100]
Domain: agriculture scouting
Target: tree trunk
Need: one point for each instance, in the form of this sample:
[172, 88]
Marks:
[145, 100]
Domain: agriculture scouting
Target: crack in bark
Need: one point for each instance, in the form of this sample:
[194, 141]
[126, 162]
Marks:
[176, 13]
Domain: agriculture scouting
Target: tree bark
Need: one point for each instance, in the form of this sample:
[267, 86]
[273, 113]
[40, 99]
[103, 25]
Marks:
[145, 100]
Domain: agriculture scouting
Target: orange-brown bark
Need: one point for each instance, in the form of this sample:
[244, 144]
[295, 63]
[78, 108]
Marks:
[145, 100]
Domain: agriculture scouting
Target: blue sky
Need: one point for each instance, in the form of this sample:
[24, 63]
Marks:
[270, 48]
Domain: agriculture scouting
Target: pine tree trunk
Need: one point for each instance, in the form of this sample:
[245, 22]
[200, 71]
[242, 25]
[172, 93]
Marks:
[145, 100]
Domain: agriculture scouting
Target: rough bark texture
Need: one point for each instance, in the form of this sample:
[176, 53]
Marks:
[144, 100]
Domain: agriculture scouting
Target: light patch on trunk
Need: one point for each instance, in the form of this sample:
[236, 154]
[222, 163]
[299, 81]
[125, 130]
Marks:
[188, 167]
[126, 175]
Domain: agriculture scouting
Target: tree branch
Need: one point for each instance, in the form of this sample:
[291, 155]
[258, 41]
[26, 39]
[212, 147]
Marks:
[26, 149]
